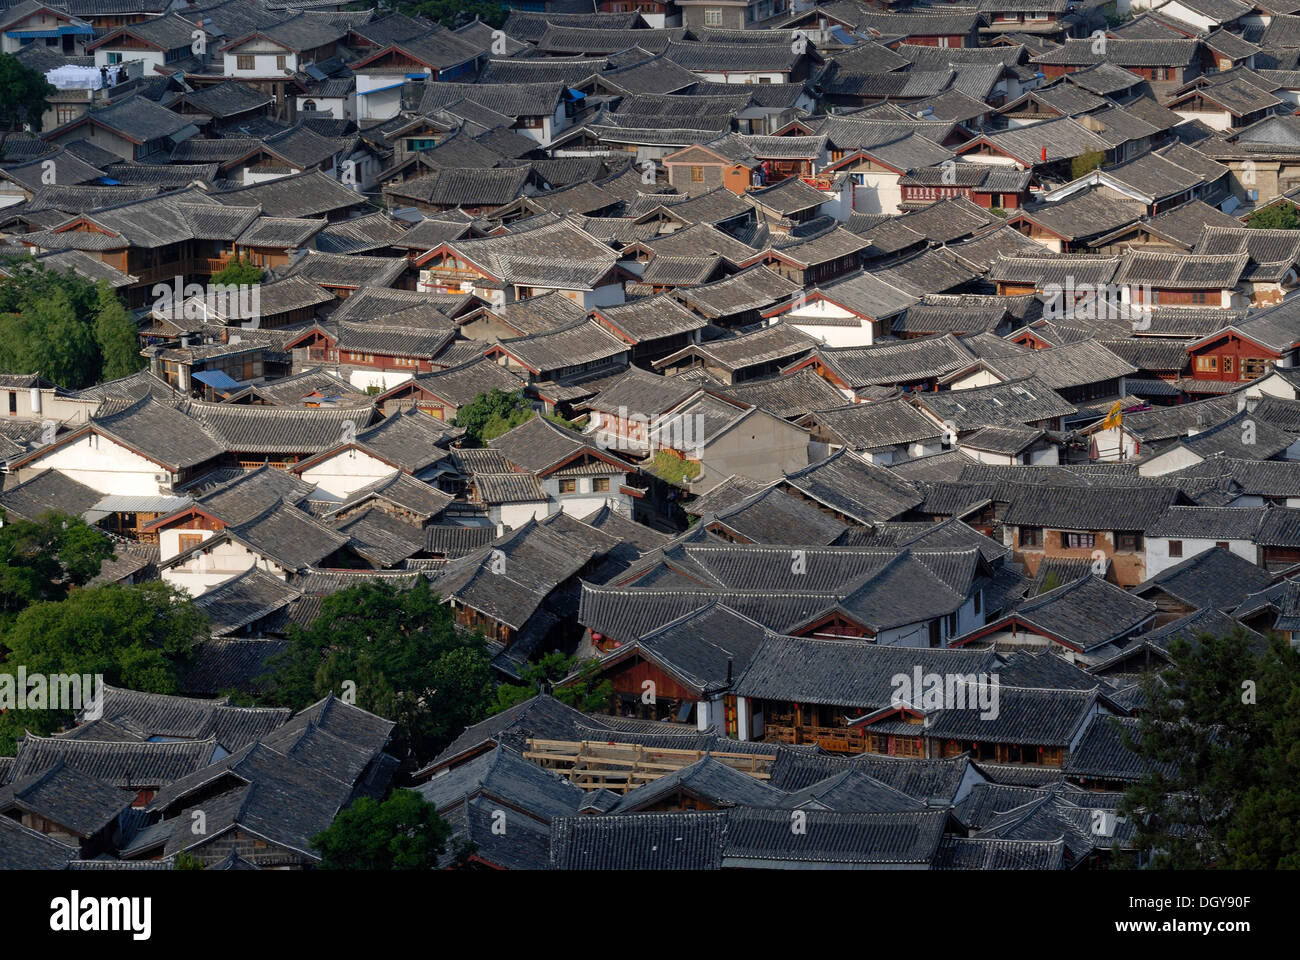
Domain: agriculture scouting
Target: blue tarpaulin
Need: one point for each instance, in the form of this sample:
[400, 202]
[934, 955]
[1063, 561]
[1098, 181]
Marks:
[217, 380]
[85, 30]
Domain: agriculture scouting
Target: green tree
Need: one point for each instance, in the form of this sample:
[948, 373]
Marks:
[63, 327]
[40, 559]
[491, 414]
[403, 832]
[1222, 737]
[116, 335]
[238, 272]
[1085, 163]
[457, 13]
[24, 97]
[138, 636]
[1280, 216]
[585, 692]
[405, 656]
[50, 338]
[559, 421]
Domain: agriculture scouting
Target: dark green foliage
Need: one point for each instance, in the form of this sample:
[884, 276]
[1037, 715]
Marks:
[64, 327]
[1085, 163]
[239, 272]
[138, 637]
[1280, 216]
[401, 654]
[587, 692]
[1228, 717]
[491, 414]
[115, 335]
[24, 97]
[41, 559]
[457, 13]
[403, 832]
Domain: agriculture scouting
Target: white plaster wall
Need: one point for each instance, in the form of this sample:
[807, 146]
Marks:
[1159, 560]
[341, 475]
[106, 466]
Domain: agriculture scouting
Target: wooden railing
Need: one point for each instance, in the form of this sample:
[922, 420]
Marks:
[835, 739]
[182, 268]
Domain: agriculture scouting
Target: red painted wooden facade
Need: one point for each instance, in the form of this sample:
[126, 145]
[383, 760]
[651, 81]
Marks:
[1230, 357]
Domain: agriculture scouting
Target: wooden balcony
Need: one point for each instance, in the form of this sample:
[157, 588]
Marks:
[833, 739]
[181, 268]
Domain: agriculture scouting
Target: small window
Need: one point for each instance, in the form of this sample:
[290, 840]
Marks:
[1175, 548]
[281, 62]
[1207, 364]
[1078, 541]
[13, 403]
[1130, 542]
[600, 484]
[244, 63]
[1031, 536]
[568, 486]
[697, 174]
[187, 541]
[713, 17]
[1221, 544]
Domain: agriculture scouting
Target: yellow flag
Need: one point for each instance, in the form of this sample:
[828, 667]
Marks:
[1115, 417]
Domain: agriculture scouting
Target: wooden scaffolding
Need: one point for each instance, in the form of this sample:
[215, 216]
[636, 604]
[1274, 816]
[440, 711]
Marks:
[595, 764]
